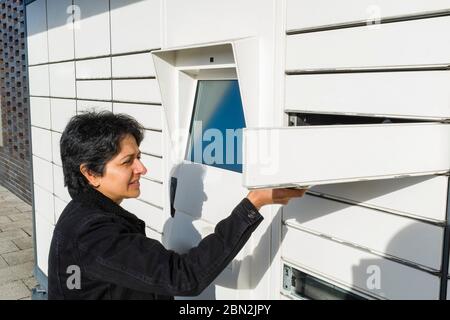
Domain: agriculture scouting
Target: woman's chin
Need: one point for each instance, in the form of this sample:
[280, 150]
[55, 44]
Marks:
[134, 193]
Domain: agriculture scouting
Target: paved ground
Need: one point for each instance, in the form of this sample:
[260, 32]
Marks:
[16, 248]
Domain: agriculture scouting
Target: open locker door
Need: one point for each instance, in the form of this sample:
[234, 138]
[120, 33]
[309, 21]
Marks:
[317, 155]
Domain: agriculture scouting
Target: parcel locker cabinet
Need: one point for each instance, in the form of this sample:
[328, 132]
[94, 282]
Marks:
[315, 155]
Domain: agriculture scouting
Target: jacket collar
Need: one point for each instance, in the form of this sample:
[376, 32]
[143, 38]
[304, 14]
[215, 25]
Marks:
[97, 199]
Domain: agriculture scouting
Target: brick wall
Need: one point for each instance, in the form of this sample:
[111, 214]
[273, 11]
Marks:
[15, 161]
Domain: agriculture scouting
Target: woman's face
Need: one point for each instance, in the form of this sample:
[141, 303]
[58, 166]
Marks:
[122, 173]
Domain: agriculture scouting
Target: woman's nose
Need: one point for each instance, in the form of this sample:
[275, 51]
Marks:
[140, 168]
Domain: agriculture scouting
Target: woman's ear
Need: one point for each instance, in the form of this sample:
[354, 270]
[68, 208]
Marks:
[93, 178]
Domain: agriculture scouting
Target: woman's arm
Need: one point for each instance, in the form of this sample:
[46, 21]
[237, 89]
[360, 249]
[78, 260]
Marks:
[108, 253]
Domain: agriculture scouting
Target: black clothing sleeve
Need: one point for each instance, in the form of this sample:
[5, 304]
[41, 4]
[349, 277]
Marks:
[109, 252]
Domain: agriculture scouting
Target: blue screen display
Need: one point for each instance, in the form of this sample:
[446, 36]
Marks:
[215, 137]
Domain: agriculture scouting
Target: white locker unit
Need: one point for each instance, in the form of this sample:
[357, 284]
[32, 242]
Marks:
[93, 68]
[351, 266]
[62, 110]
[44, 230]
[152, 215]
[408, 44]
[56, 137]
[349, 99]
[309, 14]
[60, 31]
[133, 65]
[62, 80]
[384, 233]
[37, 41]
[40, 112]
[38, 77]
[92, 29]
[403, 196]
[396, 94]
[59, 207]
[43, 173]
[151, 115]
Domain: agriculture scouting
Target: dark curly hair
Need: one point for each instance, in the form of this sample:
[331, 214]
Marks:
[92, 139]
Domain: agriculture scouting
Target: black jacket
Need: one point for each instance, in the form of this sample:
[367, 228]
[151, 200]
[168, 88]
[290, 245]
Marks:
[117, 261]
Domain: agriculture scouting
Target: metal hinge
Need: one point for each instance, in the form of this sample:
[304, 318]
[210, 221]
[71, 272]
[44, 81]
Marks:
[287, 278]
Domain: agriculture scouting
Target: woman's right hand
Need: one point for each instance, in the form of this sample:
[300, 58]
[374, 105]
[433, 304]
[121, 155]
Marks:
[262, 197]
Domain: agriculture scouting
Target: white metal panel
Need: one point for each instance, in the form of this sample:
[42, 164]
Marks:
[39, 82]
[62, 111]
[40, 112]
[56, 137]
[151, 192]
[94, 68]
[43, 173]
[152, 143]
[408, 94]
[224, 287]
[154, 167]
[312, 13]
[43, 202]
[60, 205]
[62, 80]
[133, 65]
[44, 234]
[150, 116]
[186, 232]
[357, 268]
[393, 44]
[312, 155]
[146, 90]
[37, 32]
[237, 19]
[200, 191]
[42, 143]
[135, 25]
[86, 105]
[60, 30]
[95, 89]
[401, 237]
[92, 31]
[152, 216]
[58, 182]
[424, 197]
[152, 234]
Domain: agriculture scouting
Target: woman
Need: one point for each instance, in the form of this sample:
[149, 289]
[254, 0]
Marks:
[100, 251]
